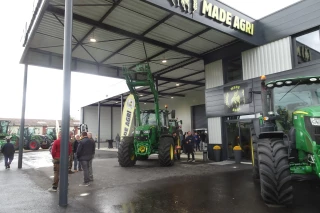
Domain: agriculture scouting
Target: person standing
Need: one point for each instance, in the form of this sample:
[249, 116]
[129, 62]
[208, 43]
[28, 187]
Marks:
[55, 152]
[189, 141]
[76, 163]
[94, 150]
[117, 140]
[8, 152]
[85, 152]
[71, 141]
[197, 141]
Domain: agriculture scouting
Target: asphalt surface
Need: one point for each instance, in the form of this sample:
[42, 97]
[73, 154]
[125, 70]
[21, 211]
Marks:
[146, 187]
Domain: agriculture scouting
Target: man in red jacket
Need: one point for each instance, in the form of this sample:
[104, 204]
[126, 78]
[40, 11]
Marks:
[55, 152]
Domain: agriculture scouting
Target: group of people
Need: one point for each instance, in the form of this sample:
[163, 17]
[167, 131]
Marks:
[81, 151]
[191, 143]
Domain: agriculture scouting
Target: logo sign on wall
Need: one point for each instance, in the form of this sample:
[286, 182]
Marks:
[236, 99]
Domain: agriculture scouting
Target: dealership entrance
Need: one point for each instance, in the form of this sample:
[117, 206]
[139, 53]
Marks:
[237, 133]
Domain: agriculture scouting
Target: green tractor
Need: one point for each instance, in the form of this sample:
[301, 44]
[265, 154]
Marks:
[286, 139]
[4, 133]
[33, 141]
[152, 134]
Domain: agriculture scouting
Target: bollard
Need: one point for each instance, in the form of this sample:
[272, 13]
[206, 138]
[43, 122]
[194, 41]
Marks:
[237, 154]
[216, 153]
[205, 152]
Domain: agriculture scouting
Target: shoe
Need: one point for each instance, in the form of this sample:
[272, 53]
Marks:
[52, 189]
[193, 161]
[189, 161]
[84, 184]
[8, 166]
[91, 180]
[80, 170]
[75, 170]
[70, 172]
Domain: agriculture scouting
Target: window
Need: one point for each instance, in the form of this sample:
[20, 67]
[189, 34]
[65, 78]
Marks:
[233, 69]
[307, 47]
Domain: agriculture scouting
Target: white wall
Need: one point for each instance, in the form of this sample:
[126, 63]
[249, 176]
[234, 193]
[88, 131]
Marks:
[267, 59]
[91, 119]
[182, 105]
[214, 78]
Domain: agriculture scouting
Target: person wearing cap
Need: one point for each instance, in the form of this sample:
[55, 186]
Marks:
[8, 152]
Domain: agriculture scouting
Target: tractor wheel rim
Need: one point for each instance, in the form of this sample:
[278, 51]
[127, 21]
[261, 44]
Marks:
[33, 145]
[171, 152]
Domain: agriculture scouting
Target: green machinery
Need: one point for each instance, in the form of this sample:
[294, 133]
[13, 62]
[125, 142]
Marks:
[286, 139]
[33, 141]
[151, 133]
[4, 133]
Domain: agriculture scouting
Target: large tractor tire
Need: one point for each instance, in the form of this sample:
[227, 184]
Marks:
[33, 145]
[126, 155]
[166, 151]
[274, 169]
[46, 144]
[254, 154]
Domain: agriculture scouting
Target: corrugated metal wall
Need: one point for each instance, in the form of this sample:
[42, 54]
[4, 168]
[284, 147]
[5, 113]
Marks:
[267, 59]
[91, 119]
[214, 78]
[214, 74]
[214, 130]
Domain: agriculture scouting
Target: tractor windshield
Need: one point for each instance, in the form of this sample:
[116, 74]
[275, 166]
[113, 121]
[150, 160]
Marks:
[287, 99]
[4, 127]
[149, 118]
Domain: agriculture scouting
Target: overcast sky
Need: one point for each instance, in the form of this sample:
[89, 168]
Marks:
[44, 93]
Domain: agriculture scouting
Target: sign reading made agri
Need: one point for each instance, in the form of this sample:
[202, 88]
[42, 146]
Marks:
[216, 15]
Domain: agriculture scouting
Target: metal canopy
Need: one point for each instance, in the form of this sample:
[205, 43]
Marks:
[127, 32]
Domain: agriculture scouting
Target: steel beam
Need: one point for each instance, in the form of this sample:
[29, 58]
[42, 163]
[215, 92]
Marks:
[159, 93]
[176, 66]
[64, 156]
[99, 119]
[24, 95]
[119, 31]
[143, 34]
[100, 21]
[180, 81]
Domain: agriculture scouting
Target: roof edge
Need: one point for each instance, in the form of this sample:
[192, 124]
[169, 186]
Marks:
[34, 28]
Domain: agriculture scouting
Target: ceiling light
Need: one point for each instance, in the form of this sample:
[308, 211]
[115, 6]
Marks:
[93, 40]
[141, 95]
[177, 85]
[270, 85]
[117, 102]
[171, 97]
[279, 83]
[313, 79]
[145, 103]
[288, 82]
[164, 61]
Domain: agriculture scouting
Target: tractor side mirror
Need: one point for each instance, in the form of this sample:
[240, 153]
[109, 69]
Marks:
[173, 114]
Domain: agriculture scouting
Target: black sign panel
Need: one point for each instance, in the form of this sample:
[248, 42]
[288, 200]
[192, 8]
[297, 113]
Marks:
[236, 99]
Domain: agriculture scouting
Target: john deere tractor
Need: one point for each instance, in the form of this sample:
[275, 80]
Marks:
[151, 133]
[4, 133]
[286, 138]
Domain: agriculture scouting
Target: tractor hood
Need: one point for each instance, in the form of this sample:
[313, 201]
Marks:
[313, 111]
[144, 128]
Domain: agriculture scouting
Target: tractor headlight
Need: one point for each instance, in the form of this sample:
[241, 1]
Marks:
[315, 121]
[146, 131]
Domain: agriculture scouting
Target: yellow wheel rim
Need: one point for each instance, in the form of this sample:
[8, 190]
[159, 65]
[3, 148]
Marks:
[252, 155]
[171, 152]
[132, 157]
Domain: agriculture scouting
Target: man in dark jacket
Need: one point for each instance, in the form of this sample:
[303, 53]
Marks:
[8, 152]
[85, 153]
[76, 163]
[189, 142]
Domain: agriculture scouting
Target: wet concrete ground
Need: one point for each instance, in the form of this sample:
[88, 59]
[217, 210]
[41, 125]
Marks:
[147, 187]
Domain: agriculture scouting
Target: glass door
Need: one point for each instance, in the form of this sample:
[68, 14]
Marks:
[238, 134]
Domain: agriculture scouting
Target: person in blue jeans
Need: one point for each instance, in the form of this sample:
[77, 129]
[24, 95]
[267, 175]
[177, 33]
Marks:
[8, 152]
[77, 164]
[197, 140]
